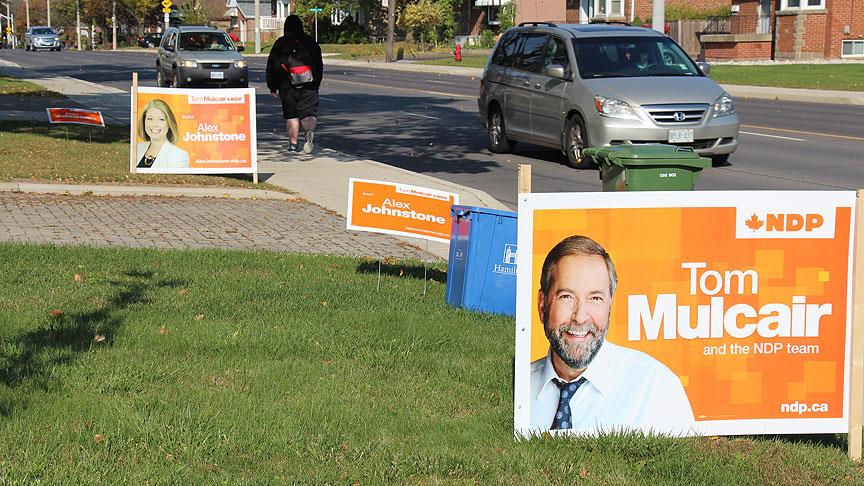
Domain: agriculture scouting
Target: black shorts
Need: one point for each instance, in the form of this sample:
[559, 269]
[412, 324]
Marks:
[299, 102]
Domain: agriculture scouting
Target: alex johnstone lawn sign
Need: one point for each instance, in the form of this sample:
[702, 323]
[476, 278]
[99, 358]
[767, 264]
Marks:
[193, 131]
[745, 296]
[399, 209]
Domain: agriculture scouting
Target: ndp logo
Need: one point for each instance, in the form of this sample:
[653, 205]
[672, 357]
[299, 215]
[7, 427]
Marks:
[755, 223]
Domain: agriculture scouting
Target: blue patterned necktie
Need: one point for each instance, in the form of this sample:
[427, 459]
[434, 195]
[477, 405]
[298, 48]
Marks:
[563, 419]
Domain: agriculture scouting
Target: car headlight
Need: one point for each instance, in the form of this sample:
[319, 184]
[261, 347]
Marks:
[613, 108]
[240, 64]
[192, 64]
[723, 106]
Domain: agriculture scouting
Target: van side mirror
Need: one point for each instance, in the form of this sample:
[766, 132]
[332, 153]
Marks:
[705, 67]
[240, 48]
[555, 71]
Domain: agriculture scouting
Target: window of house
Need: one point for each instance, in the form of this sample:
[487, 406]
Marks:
[801, 4]
[608, 8]
[853, 48]
[492, 15]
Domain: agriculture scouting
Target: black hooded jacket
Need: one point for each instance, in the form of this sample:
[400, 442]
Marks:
[295, 48]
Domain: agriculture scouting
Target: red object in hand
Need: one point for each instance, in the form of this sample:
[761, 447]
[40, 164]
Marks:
[458, 53]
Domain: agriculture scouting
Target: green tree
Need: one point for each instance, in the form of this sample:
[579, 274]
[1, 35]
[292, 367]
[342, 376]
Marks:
[421, 19]
[507, 16]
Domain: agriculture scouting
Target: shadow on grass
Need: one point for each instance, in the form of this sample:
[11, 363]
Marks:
[397, 270]
[32, 356]
[95, 134]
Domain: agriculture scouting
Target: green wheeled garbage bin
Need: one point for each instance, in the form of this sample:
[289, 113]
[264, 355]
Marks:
[648, 167]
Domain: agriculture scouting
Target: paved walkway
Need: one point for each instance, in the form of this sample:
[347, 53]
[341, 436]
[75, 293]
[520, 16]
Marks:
[294, 226]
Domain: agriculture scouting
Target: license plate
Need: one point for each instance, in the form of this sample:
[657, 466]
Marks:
[221, 75]
[681, 135]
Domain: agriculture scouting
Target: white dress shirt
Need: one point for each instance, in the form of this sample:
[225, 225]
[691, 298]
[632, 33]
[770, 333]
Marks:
[624, 389]
[170, 156]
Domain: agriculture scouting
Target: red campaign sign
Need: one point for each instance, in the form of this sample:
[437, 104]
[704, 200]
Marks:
[74, 115]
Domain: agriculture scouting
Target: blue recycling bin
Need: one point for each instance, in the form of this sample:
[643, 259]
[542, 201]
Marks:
[481, 270]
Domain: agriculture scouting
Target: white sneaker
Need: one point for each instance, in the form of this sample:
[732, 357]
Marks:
[310, 142]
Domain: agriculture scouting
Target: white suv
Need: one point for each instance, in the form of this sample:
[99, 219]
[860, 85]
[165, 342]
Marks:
[575, 86]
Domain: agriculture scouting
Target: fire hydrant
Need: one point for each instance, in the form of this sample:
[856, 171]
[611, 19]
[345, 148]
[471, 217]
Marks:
[457, 53]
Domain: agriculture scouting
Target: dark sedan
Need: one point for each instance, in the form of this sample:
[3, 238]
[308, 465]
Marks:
[150, 40]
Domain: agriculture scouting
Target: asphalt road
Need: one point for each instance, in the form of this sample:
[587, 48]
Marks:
[428, 123]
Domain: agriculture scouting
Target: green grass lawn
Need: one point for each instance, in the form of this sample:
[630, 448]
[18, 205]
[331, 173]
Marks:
[78, 154]
[192, 367]
[844, 77]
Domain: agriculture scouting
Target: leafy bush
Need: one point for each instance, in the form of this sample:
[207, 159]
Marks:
[486, 39]
[507, 16]
[350, 32]
[686, 12]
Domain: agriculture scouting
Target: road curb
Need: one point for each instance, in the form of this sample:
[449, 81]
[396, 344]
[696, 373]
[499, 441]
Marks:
[139, 190]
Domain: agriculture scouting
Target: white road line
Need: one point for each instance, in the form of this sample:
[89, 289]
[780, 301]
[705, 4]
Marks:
[366, 75]
[775, 136]
[325, 98]
[421, 116]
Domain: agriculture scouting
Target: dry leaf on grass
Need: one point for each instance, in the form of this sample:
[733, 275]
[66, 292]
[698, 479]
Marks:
[55, 312]
[169, 457]
[99, 438]
[78, 277]
[584, 472]
[323, 303]
[163, 330]
[199, 317]
[98, 338]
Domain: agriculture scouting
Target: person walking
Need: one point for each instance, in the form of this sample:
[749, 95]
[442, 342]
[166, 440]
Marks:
[294, 72]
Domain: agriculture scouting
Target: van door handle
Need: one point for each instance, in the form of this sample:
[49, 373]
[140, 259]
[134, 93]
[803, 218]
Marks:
[537, 86]
[526, 84]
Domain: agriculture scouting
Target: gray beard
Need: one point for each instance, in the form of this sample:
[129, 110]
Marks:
[587, 351]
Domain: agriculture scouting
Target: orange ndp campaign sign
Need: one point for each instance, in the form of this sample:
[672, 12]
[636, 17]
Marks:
[75, 115]
[399, 209]
[194, 131]
[744, 296]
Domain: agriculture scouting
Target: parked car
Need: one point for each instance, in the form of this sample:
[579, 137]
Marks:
[575, 86]
[150, 40]
[198, 56]
[36, 38]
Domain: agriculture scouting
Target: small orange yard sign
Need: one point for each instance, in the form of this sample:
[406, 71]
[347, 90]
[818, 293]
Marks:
[399, 209]
[75, 115]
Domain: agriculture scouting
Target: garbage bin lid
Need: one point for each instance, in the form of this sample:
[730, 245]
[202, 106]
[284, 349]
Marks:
[648, 154]
[464, 210]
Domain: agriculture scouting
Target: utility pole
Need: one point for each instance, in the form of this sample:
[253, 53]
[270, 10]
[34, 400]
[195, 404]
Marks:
[78, 24]
[658, 16]
[113, 25]
[49, 12]
[391, 21]
[257, 27]
[27, 9]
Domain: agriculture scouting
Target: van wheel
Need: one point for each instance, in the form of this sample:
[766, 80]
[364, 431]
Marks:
[498, 142]
[160, 79]
[175, 83]
[575, 141]
[720, 160]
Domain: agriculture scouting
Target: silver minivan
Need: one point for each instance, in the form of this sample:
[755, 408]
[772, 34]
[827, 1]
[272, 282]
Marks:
[200, 56]
[581, 85]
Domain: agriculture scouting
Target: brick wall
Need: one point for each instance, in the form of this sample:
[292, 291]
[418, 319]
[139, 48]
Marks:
[843, 13]
[541, 10]
[716, 51]
[802, 35]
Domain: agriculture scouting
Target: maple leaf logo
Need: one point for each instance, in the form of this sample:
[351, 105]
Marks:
[754, 223]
